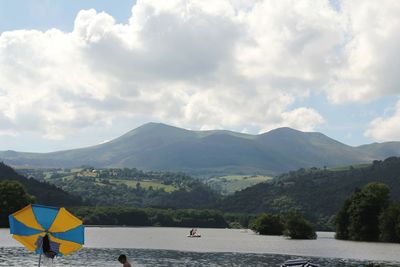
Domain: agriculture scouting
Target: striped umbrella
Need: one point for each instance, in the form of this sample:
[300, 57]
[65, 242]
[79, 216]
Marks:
[35, 224]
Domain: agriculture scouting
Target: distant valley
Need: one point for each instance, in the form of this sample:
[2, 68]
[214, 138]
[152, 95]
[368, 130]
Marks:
[160, 147]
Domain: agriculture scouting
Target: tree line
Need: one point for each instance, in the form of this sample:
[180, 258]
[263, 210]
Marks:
[13, 197]
[129, 216]
[292, 225]
[369, 215]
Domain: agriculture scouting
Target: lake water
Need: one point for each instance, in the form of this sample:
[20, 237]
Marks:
[156, 246]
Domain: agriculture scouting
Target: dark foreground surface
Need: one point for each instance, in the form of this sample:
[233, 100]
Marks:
[16, 256]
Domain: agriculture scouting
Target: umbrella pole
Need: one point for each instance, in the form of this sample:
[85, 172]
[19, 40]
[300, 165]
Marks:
[40, 257]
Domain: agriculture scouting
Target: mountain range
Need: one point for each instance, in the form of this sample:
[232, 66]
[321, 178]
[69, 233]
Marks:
[157, 146]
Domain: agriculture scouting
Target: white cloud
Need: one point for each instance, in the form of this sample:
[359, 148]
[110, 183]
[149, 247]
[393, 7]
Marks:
[385, 128]
[305, 119]
[197, 64]
[370, 61]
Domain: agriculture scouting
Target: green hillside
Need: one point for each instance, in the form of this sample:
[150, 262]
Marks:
[316, 192]
[227, 185]
[43, 192]
[146, 184]
[161, 147]
[129, 187]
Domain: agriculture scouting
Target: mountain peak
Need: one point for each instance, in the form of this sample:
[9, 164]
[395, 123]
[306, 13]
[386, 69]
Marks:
[155, 125]
[290, 132]
[283, 131]
[154, 129]
[286, 129]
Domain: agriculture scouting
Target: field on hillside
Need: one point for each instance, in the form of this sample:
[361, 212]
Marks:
[100, 177]
[145, 184]
[227, 185]
[128, 187]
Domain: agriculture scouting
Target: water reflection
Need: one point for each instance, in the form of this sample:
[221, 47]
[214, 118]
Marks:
[12, 256]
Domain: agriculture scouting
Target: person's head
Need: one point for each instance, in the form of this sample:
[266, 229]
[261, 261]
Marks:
[122, 258]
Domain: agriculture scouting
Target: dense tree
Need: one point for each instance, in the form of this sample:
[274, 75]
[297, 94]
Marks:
[268, 224]
[200, 196]
[358, 219]
[342, 221]
[389, 224]
[364, 211]
[293, 225]
[297, 227]
[150, 217]
[239, 220]
[12, 198]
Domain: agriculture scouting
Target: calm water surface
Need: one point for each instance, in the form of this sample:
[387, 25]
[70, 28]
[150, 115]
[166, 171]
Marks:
[154, 246]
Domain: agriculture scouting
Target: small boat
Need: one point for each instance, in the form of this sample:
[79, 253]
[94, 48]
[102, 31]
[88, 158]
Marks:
[299, 263]
[193, 235]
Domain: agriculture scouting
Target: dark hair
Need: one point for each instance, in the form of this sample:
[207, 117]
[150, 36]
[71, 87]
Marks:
[46, 244]
[122, 257]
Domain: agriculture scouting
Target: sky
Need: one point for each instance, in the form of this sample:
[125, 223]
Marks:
[79, 73]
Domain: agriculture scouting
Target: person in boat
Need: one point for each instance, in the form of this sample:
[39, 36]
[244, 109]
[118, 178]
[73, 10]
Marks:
[124, 261]
[191, 233]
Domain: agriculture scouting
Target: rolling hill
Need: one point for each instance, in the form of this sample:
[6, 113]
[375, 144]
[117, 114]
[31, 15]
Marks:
[160, 147]
[128, 187]
[227, 185]
[44, 193]
[318, 193]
